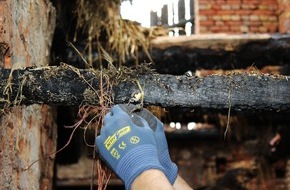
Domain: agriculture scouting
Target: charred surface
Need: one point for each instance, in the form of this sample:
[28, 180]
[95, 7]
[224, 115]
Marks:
[69, 86]
[180, 54]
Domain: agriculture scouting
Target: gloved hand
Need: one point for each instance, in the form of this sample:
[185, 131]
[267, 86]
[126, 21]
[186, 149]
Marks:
[157, 126]
[127, 145]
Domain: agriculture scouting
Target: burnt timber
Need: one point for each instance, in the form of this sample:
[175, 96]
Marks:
[176, 55]
[70, 86]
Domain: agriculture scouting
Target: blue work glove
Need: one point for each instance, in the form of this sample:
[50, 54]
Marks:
[127, 144]
[157, 126]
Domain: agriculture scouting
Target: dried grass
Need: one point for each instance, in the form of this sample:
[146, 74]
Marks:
[98, 17]
[101, 21]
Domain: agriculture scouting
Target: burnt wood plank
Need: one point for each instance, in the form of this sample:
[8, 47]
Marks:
[176, 55]
[70, 86]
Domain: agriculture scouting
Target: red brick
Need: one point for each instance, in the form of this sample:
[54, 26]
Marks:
[251, 1]
[269, 2]
[226, 12]
[202, 2]
[263, 29]
[203, 17]
[268, 7]
[218, 28]
[206, 23]
[203, 29]
[249, 6]
[253, 23]
[273, 18]
[264, 12]
[254, 29]
[219, 23]
[264, 18]
[216, 17]
[226, 17]
[245, 17]
[244, 29]
[234, 2]
[272, 27]
[235, 28]
[254, 17]
[207, 12]
[235, 7]
[216, 6]
[244, 12]
[205, 6]
[226, 7]
[235, 17]
[220, 1]
[234, 23]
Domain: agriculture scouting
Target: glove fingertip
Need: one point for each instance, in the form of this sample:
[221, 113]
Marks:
[116, 108]
[108, 116]
[98, 141]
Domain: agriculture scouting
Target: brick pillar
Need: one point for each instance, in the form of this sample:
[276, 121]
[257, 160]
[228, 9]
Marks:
[284, 16]
[196, 17]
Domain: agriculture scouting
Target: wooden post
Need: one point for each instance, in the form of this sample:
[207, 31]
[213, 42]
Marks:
[26, 133]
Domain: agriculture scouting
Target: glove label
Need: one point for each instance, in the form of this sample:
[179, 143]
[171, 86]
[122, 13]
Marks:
[134, 140]
[115, 153]
[111, 140]
[122, 146]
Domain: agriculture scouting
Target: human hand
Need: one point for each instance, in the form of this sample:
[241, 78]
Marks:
[127, 144]
[162, 148]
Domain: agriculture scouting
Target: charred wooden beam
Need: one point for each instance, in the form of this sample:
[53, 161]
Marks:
[176, 55]
[66, 85]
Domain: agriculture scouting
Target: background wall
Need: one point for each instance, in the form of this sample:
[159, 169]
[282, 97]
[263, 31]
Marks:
[238, 16]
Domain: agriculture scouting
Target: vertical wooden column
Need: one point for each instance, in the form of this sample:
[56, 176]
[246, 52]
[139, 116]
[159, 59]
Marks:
[27, 133]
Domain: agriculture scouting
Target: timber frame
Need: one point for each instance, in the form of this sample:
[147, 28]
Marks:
[66, 85]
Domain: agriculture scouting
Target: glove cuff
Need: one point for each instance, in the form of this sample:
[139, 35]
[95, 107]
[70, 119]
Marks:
[170, 167]
[136, 161]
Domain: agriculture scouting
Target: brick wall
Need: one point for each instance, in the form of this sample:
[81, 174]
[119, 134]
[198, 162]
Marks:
[239, 16]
